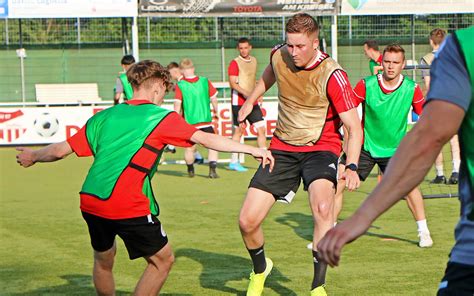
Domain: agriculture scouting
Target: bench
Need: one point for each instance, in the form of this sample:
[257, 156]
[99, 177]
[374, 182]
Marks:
[67, 93]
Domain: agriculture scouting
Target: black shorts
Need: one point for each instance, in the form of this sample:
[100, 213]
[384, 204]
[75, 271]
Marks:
[143, 236]
[367, 163]
[255, 116]
[458, 280]
[207, 129]
[290, 168]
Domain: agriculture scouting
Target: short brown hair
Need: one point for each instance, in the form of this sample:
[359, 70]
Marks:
[437, 36]
[172, 65]
[302, 23]
[372, 44]
[147, 72]
[394, 47]
[186, 63]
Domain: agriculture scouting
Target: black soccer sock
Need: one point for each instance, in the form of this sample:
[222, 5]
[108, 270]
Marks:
[319, 270]
[258, 259]
[213, 164]
[190, 167]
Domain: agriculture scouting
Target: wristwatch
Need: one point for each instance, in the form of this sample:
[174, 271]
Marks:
[352, 167]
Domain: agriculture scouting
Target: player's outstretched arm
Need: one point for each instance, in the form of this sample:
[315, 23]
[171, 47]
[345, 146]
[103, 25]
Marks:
[352, 126]
[223, 144]
[233, 82]
[406, 169]
[28, 157]
[265, 82]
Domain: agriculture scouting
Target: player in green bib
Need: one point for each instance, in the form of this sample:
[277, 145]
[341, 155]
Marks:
[371, 51]
[449, 110]
[126, 142]
[123, 88]
[387, 99]
[193, 97]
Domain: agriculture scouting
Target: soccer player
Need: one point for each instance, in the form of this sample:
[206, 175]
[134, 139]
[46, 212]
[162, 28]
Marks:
[386, 100]
[314, 96]
[242, 78]
[116, 197]
[122, 86]
[436, 38]
[451, 98]
[193, 94]
[371, 51]
[176, 76]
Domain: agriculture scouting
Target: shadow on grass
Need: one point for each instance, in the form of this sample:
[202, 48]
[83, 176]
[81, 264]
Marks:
[302, 225]
[219, 269]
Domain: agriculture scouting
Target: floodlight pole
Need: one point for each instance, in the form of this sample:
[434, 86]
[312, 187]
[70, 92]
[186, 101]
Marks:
[413, 43]
[135, 47]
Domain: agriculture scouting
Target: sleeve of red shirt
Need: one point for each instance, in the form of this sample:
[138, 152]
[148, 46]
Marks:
[175, 131]
[79, 143]
[340, 92]
[359, 92]
[178, 95]
[233, 69]
[418, 100]
[212, 89]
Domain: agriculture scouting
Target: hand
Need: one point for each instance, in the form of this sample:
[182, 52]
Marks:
[244, 111]
[264, 156]
[26, 157]
[331, 244]
[351, 178]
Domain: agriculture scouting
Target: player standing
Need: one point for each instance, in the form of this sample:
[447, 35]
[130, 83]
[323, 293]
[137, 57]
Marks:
[242, 78]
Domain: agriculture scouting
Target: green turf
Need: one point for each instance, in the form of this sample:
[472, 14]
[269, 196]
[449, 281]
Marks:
[44, 247]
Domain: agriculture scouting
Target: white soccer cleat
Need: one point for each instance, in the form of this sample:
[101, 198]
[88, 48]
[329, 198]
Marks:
[425, 239]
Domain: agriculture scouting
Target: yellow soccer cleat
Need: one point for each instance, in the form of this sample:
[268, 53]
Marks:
[319, 291]
[257, 281]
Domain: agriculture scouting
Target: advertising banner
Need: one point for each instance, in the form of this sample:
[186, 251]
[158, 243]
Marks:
[377, 7]
[45, 125]
[222, 8]
[3, 8]
[69, 8]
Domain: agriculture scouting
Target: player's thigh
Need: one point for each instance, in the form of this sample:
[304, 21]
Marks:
[319, 165]
[366, 165]
[458, 280]
[382, 163]
[256, 206]
[143, 236]
[285, 178]
[101, 231]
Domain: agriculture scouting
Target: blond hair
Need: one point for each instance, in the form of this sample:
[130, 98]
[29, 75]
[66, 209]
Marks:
[186, 63]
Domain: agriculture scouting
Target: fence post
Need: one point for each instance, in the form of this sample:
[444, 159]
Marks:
[78, 30]
[413, 44]
[350, 27]
[334, 37]
[6, 32]
[283, 28]
[135, 38]
[148, 30]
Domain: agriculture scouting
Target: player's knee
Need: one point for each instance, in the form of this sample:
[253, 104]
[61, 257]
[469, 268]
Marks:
[247, 224]
[323, 211]
[168, 262]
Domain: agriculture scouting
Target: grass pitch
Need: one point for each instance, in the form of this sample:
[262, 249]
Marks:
[45, 250]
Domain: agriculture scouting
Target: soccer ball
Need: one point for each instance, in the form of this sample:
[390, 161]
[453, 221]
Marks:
[46, 125]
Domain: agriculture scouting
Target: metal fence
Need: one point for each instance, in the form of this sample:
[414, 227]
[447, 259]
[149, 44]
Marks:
[72, 50]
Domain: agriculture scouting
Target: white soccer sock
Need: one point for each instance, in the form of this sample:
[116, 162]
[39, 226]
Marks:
[234, 158]
[439, 170]
[456, 164]
[422, 226]
[171, 147]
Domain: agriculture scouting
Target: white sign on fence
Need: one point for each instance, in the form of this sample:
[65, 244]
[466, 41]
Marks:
[44, 125]
[377, 7]
[69, 8]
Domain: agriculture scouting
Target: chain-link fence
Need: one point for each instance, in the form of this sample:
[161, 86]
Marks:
[73, 50]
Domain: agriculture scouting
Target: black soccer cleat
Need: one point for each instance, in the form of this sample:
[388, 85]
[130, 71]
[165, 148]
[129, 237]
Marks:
[454, 179]
[439, 180]
[191, 174]
[213, 174]
[170, 150]
[199, 160]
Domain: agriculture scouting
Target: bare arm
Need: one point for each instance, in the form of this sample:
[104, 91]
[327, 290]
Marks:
[353, 128]
[223, 144]
[215, 105]
[406, 169]
[264, 83]
[235, 86]
[427, 80]
[53, 152]
[377, 69]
